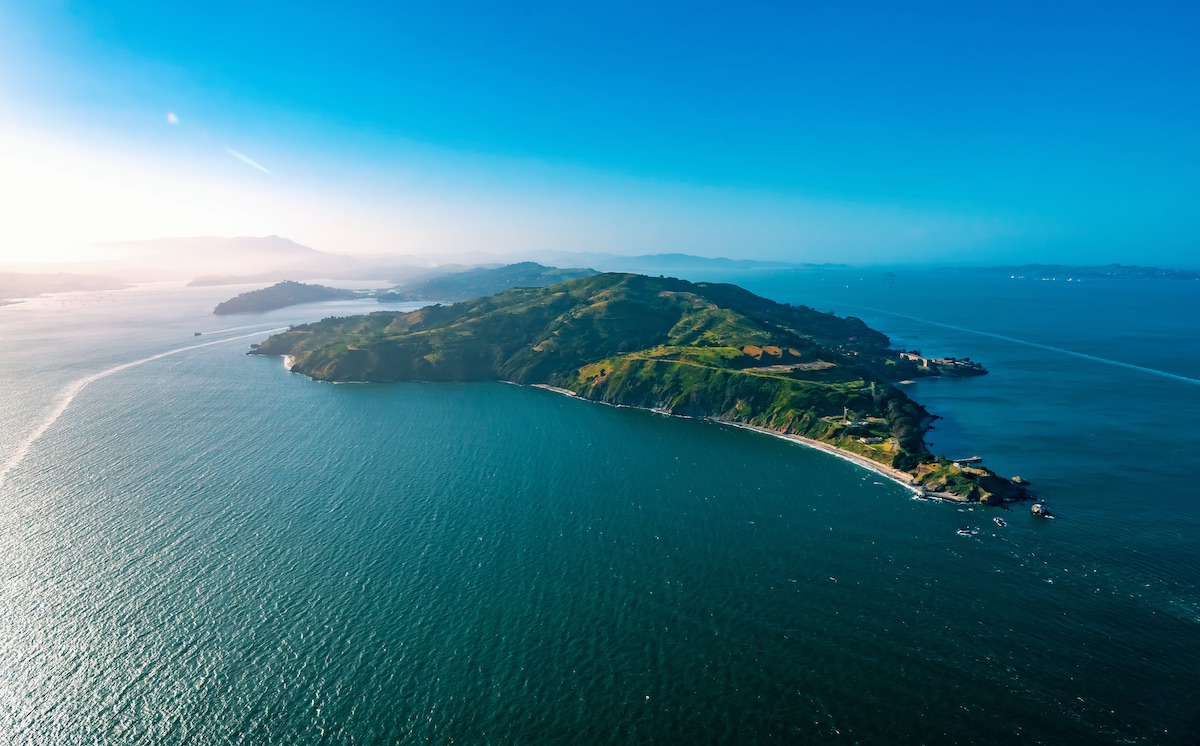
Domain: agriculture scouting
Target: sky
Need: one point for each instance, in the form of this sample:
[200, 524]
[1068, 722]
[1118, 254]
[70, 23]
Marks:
[813, 132]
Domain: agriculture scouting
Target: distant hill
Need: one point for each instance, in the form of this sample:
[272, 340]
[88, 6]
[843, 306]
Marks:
[219, 248]
[1085, 272]
[222, 260]
[27, 285]
[481, 281]
[281, 295]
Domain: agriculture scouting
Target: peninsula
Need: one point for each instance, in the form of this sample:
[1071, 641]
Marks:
[695, 349]
[281, 295]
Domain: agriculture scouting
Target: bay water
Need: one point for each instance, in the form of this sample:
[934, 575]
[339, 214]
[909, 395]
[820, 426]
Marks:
[197, 546]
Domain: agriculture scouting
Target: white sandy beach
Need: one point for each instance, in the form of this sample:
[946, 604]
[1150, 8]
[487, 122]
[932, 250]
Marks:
[897, 476]
[555, 389]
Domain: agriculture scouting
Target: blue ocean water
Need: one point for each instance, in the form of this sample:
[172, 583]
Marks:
[204, 548]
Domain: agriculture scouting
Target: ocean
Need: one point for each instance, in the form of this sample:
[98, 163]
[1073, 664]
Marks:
[201, 547]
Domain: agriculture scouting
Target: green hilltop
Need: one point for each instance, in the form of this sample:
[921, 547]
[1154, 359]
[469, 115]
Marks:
[698, 349]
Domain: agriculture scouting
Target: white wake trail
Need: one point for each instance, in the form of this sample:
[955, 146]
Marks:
[1039, 345]
[231, 329]
[71, 390]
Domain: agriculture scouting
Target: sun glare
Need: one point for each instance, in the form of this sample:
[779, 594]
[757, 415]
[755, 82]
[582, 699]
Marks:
[57, 199]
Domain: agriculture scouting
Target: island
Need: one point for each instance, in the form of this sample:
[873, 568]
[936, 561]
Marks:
[708, 350]
[281, 295]
[480, 281]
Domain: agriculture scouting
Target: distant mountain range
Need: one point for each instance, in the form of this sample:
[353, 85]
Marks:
[664, 263]
[213, 260]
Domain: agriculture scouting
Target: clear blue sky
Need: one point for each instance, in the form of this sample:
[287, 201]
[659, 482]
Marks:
[809, 131]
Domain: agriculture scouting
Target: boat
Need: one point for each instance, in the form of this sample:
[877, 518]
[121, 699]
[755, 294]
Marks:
[196, 334]
[1000, 521]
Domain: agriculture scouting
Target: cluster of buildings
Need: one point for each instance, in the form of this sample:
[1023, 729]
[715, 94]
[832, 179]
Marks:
[939, 362]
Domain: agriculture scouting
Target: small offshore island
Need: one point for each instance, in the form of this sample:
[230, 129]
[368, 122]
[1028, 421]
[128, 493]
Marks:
[693, 349]
[281, 295]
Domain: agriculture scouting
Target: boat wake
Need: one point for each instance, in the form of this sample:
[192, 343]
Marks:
[1038, 345]
[71, 390]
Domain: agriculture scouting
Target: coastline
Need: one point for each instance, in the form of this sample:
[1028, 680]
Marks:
[901, 478]
[555, 389]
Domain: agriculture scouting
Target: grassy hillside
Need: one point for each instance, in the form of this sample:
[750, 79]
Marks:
[700, 349]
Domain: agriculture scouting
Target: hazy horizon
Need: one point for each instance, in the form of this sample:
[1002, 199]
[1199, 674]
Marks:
[263, 259]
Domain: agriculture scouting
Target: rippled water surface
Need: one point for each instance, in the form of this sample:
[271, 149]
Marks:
[200, 547]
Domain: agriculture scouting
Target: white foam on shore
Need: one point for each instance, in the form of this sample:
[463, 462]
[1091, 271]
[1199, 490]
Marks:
[72, 389]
